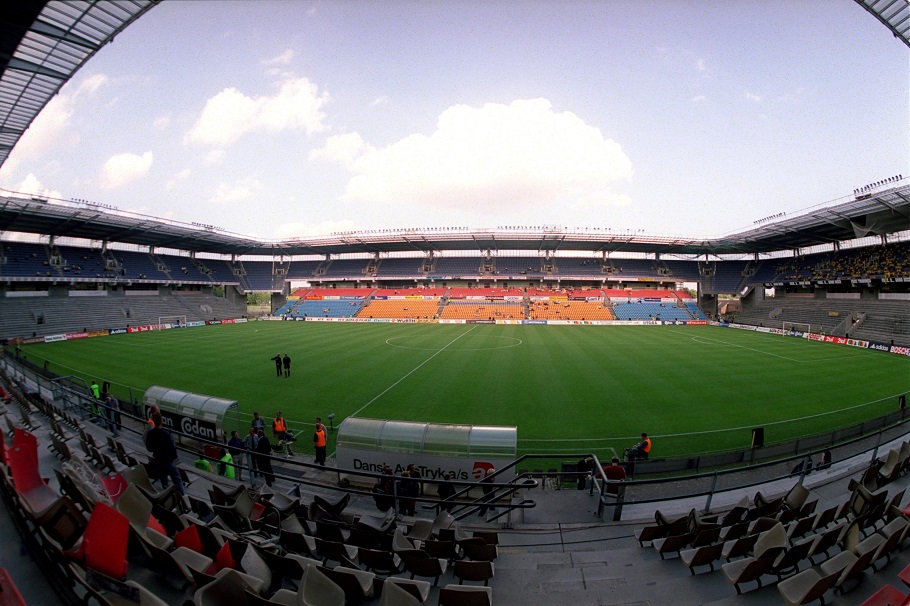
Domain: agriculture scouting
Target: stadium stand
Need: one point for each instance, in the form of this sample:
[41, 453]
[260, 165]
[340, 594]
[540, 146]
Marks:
[470, 310]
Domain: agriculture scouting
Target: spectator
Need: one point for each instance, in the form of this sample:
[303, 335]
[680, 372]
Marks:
[279, 426]
[446, 491]
[225, 464]
[282, 436]
[615, 472]
[257, 423]
[583, 468]
[160, 444]
[235, 448]
[203, 463]
[112, 408]
[263, 458]
[319, 441]
[825, 462]
[250, 444]
[489, 493]
[383, 491]
[641, 450]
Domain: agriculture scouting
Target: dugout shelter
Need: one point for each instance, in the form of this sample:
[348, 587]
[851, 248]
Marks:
[466, 451]
[193, 415]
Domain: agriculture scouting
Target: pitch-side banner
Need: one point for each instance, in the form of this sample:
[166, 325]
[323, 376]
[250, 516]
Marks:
[468, 469]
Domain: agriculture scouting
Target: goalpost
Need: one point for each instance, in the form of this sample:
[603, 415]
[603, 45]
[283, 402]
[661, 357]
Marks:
[790, 328]
[171, 322]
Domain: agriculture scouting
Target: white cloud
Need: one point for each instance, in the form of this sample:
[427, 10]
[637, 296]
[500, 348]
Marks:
[753, 97]
[343, 149]
[230, 114]
[496, 157]
[700, 64]
[239, 191]
[282, 59]
[91, 85]
[698, 98]
[31, 186]
[383, 100]
[123, 169]
[52, 128]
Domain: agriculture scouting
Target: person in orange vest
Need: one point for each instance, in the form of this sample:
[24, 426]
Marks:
[279, 426]
[640, 450]
[319, 441]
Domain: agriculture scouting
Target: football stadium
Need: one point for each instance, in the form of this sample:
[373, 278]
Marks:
[444, 415]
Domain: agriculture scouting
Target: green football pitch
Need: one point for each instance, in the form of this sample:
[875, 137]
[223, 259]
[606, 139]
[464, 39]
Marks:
[694, 389]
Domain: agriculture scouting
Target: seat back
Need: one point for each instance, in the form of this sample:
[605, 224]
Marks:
[317, 588]
[480, 551]
[465, 595]
[774, 538]
[377, 560]
[135, 506]
[394, 595]
[105, 542]
[227, 588]
[856, 568]
[36, 497]
[473, 571]
[796, 496]
[138, 475]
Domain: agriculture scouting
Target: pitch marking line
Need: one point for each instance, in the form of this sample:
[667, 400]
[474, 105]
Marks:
[725, 429]
[412, 371]
[709, 341]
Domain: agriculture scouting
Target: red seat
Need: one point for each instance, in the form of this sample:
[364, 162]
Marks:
[886, 596]
[104, 543]
[36, 496]
[114, 485]
[9, 593]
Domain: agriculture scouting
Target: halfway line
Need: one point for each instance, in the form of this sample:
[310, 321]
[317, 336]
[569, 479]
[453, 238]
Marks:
[412, 371]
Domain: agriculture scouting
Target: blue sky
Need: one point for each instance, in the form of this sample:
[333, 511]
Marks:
[291, 119]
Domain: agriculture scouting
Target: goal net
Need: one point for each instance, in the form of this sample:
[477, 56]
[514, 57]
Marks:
[793, 328]
[171, 322]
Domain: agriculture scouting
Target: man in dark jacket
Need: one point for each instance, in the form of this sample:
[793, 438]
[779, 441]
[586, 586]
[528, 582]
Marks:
[160, 444]
[263, 462]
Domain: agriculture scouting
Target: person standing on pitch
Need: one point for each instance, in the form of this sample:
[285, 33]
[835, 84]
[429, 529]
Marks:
[287, 365]
[319, 441]
[277, 361]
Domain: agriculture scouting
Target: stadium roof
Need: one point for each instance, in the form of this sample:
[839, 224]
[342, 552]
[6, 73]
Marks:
[872, 214]
[44, 42]
[894, 14]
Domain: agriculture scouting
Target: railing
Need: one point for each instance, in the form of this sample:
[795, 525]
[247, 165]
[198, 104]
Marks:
[508, 496]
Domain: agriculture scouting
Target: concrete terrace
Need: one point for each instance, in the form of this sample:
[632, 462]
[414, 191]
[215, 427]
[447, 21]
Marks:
[559, 553]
